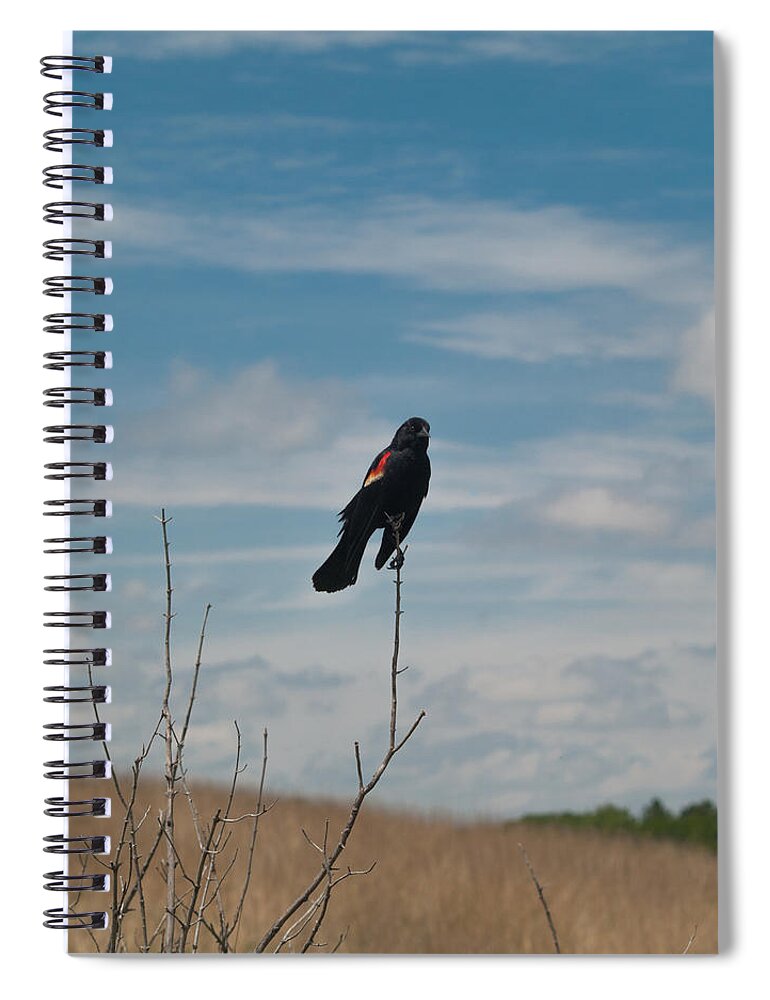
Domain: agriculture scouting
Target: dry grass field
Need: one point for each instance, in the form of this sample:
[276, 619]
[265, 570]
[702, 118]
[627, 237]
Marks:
[444, 886]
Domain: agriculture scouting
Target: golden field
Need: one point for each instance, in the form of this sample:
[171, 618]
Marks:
[443, 885]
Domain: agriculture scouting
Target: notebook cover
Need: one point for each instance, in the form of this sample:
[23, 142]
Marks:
[458, 286]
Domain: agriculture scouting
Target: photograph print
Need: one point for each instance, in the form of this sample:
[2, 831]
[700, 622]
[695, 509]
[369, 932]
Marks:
[413, 607]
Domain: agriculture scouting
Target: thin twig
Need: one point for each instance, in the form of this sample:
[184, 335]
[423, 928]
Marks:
[168, 818]
[197, 882]
[211, 874]
[179, 763]
[236, 923]
[542, 898]
[364, 789]
[128, 834]
[340, 940]
[194, 685]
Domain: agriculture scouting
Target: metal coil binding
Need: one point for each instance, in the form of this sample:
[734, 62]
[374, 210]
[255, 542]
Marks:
[100, 582]
[94, 544]
[93, 508]
[59, 844]
[57, 138]
[65, 770]
[57, 919]
[94, 322]
[61, 694]
[53, 66]
[58, 211]
[78, 619]
[59, 249]
[61, 882]
[76, 689]
[57, 360]
[62, 732]
[99, 470]
[59, 285]
[67, 395]
[58, 806]
[57, 175]
[94, 656]
[61, 433]
[57, 101]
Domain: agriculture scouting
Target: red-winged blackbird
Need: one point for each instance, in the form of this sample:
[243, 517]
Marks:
[394, 485]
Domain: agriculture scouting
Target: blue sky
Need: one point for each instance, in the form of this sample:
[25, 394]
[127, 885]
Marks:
[318, 235]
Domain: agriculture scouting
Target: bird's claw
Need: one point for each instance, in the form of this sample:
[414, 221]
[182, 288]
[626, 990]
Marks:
[398, 559]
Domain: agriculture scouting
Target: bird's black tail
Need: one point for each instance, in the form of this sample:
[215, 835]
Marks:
[341, 568]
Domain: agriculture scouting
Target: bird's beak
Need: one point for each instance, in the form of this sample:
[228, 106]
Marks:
[423, 433]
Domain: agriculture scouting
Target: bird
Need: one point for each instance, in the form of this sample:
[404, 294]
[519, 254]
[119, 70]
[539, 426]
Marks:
[395, 485]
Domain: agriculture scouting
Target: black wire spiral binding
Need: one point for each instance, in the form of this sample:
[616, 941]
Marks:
[59, 844]
[57, 100]
[69, 658]
[58, 211]
[95, 656]
[58, 806]
[57, 919]
[99, 470]
[93, 508]
[93, 322]
[57, 175]
[78, 619]
[59, 249]
[56, 360]
[79, 770]
[60, 433]
[98, 545]
[100, 582]
[54, 65]
[61, 732]
[60, 882]
[60, 285]
[61, 694]
[57, 138]
[65, 395]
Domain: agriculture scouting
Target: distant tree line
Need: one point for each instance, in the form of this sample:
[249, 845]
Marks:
[696, 823]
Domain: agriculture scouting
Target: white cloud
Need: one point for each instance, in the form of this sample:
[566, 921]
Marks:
[696, 369]
[155, 45]
[259, 437]
[600, 509]
[251, 437]
[194, 129]
[255, 408]
[211, 557]
[674, 581]
[406, 47]
[572, 710]
[569, 330]
[443, 245]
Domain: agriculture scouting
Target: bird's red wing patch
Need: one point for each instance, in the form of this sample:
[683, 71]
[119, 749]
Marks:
[377, 471]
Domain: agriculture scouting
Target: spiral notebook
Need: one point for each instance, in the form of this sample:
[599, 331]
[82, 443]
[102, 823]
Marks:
[382, 492]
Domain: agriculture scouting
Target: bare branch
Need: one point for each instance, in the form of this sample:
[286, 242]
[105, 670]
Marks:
[542, 898]
[205, 855]
[393, 747]
[211, 872]
[340, 940]
[194, 684]
[236, 923]
[170, 772]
